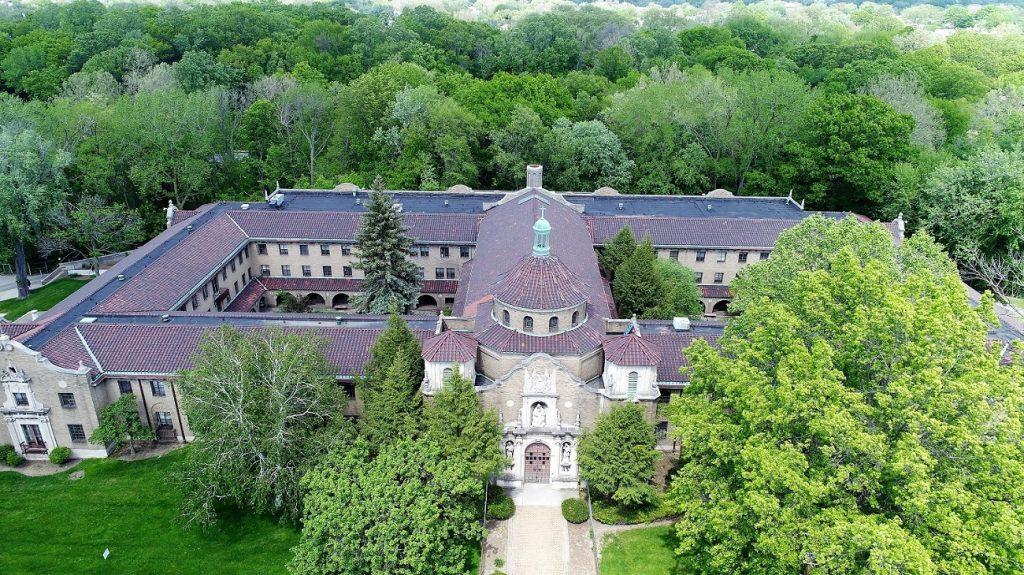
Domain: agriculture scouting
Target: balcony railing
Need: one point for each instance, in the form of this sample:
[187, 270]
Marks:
[33, 447]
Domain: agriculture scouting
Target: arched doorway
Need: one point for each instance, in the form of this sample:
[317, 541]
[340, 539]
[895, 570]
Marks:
[340, 301]
[538, 464]
[722, 307]
[315, 299]
[426, 302]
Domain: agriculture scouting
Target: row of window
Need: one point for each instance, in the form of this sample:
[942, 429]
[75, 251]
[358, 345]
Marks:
[222, 275]
[156, 387]
[719, 277]
[67, 400]
[528, 321]
[307, 271]
[284, 249]
[444, 251]
[720, 255]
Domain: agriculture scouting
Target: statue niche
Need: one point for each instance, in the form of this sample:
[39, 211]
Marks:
[538, 417]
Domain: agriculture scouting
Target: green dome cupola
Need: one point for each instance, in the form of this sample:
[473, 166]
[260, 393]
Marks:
[541, 236]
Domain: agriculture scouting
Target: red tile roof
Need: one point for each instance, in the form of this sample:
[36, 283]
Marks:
[168, 348]
[182, 215]
[13, 330]
[540, 283]
[450, 346]
[715, 290]
[249, 297]
[701, 232]
[452, 228]
[671, 346]
[172, 275]
[631, 349]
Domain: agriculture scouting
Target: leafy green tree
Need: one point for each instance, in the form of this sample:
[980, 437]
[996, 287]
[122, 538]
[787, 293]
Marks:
[407, 510]
[265, 407]
[617, 457]
[391, 280]
[636, 285]
[518, 144]
[682, 296]
[618, 251]
[848, 415]
[614, 63]
[31, 187]
[848, 153]
[91, 228]
[119, 424]
[584, 156]
[290, 303]
[456, 420]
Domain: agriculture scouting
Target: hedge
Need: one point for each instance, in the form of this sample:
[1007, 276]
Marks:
[575, 510]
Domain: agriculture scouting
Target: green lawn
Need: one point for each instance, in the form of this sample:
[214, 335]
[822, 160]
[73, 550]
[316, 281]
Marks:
[644, 551]
[41, 299]
[53, 525]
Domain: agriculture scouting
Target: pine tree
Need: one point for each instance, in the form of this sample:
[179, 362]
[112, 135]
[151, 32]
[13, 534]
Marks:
[396, 340]
[391, 407]
[391, 280]
[637, 287]
[457, 421]
[617, 457]
[682, 296]
[618, 251]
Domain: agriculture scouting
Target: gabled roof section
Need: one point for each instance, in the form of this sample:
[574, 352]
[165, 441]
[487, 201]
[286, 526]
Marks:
[294, 225]
[450, 346]
[631, 349]
[173, 274]
[703, 232]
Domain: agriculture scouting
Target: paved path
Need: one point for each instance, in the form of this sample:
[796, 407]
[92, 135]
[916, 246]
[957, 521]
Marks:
[538, 542]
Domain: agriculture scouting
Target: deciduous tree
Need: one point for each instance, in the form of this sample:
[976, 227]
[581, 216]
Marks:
[119, 424]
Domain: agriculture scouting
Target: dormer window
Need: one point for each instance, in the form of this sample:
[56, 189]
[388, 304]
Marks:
[20, 399]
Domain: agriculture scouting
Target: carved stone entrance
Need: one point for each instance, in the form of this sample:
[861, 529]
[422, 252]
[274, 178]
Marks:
[538, 464]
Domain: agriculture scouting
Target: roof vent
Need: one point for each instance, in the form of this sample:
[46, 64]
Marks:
[165, 318]
[397, 206]
[709, 207]
[245, 206]
[446, 203]
[87, 319]
[359, 201]
[189, 228]
[620, 205]
[120, 277]
[681, 323]
[338, 319]
[276, 200]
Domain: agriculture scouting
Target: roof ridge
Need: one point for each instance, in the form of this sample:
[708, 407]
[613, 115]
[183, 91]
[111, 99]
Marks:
[88, 349]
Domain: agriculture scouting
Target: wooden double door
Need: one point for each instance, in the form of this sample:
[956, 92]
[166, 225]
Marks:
[538, 464]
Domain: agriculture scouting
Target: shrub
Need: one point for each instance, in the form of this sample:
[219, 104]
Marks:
[60, 455]
[575, 510]
[13, 459]
[611, 513]
[5, 450]
[499, 505]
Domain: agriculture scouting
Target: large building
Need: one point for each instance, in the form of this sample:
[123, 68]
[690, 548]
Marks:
[512, 297]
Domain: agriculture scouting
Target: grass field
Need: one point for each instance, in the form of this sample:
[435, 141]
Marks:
[41, 299]
[53, 525]
[644, 551]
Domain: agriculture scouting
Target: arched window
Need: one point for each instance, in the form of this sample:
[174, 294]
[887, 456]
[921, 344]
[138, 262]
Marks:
[575, 317]
[505, 318]
[553, 323]
[446, 374]
[634, 379]
[528, 324]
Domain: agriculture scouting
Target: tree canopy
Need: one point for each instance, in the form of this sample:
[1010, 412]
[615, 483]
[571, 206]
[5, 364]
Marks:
[852, 414]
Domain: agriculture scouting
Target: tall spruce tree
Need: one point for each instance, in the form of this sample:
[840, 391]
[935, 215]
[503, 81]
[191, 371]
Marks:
[637, 287]
[391, 407]
[391, 279]
[621, 247]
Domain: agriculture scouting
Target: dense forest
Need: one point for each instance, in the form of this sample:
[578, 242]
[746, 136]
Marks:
[919, 111]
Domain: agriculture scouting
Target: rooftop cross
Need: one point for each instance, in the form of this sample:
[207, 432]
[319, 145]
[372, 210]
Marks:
[541, 236]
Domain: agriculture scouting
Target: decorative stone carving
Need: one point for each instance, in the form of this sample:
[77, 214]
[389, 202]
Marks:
[567, 453]
[540, 382]
[510, 452]
[539, 416]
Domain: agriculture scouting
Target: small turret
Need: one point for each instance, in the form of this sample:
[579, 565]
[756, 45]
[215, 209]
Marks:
[541, 236]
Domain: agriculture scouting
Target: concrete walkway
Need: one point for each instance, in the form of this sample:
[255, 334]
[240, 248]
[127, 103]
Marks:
[539, 540]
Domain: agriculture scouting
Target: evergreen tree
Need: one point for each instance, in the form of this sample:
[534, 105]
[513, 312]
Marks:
[456, 420]
[637, 287]
[613, 254]
[391, 279]
[617, 457]
[391, 406]
[394, 341]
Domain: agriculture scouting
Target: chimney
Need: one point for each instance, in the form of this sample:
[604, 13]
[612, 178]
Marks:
[533, 175]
